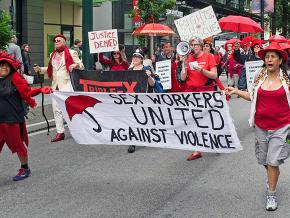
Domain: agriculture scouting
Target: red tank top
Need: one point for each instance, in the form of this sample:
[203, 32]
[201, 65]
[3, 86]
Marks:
[272, 109]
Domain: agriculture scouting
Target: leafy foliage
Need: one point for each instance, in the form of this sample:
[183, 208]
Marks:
[5, 29]
[150, 11]
[283, 7]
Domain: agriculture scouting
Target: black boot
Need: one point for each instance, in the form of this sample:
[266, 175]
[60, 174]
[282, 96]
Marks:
[131, 149]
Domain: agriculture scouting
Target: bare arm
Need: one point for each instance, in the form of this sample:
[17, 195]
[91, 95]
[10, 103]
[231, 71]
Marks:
[244, 94]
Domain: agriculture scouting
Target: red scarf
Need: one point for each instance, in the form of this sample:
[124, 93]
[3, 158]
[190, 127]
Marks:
[67, 58]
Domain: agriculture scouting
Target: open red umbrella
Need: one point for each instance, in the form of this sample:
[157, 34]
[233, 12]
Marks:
[277, 38]
[239, 24]
[153, 29]
[78, 104]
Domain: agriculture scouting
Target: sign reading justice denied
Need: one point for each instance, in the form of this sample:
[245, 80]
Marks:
[103, 41]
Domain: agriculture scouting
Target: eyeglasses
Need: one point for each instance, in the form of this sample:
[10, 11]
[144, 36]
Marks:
[57, 40]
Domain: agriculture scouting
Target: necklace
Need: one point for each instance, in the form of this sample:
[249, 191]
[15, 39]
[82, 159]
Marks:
[271, 81]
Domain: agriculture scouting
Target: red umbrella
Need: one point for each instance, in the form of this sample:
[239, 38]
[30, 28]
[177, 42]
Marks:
[277, 38]
[153, 29]
[78, 104]
[239, 24]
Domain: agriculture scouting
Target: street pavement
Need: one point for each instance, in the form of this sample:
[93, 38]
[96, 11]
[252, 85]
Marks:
[71, 180]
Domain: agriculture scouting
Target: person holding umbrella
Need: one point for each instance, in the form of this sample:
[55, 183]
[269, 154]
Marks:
[270, 115]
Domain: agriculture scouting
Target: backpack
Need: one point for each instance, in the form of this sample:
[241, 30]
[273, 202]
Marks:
[158, 88]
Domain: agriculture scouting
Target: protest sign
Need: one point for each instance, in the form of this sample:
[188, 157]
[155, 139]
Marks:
[202, 24]
[251, 68]
[132, 81]
[163, 70]
[103, 41]
[189, 121]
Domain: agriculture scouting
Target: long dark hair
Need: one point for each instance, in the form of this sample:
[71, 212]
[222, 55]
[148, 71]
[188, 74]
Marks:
[121, 60]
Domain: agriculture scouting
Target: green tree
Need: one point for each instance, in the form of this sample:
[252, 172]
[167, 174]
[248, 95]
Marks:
[150, 11]
[282, 9]
[5, 29]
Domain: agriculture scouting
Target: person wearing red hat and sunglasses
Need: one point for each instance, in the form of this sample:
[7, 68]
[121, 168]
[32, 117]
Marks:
[270, 115]
[13, 91]
[62, 61]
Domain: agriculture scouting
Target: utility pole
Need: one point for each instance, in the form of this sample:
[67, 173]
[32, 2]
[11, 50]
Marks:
[274, 25]
[262, 18]
[87, 27]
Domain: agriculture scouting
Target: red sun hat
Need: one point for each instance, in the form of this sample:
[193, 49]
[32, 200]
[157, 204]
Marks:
[59, 35]
[277, 38]
[274, 46]
[284, 45]
[257, 42]
[4, 57]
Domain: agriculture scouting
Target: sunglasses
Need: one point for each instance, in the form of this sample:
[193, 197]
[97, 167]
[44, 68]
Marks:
[57, 40]
[194, 44]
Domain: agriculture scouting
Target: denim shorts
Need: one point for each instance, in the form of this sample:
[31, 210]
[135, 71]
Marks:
[270, 146]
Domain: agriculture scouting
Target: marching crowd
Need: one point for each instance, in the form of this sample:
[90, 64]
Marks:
[196, 71]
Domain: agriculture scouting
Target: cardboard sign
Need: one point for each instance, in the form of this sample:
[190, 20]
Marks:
[251, 68]
[103, 41]
[197, 121]
[201, 24]
[163, 70]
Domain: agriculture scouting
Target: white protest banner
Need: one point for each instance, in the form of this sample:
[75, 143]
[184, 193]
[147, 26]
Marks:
[163, 70]
[251, 68]
[189, 121]
[103, 41]
[202, 24]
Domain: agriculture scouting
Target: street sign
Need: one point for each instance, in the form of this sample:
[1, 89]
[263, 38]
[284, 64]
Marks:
[175, 13]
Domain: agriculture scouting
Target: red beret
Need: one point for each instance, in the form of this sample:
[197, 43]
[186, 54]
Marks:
[59, 35]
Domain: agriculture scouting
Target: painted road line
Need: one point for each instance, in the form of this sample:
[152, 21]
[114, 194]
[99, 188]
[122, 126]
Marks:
[40, 123]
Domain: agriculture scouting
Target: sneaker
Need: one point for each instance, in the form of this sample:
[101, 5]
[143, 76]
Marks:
[271, 203]
[131, 149]
[22, 174]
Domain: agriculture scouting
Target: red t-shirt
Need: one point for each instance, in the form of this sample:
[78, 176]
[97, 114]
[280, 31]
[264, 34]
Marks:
[272, 109]
[195, 78]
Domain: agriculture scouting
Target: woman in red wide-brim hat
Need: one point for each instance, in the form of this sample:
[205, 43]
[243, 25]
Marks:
[13, 91]
[270, 115]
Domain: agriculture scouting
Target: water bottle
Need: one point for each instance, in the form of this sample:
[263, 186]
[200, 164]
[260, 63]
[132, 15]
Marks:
[288, 139]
